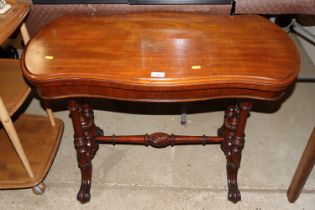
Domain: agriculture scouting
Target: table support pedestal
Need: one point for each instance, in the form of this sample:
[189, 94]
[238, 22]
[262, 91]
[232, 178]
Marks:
[233, 133]
[85, 144]
[86, 136]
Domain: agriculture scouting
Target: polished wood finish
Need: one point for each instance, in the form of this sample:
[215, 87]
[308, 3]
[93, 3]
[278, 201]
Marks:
[202, 57]
[233, 132]
[12, 19]
[160, 57]
[40, 146]
[85, 144]
[13, 89]
[87, 135]
[160, 139]
[303, 170]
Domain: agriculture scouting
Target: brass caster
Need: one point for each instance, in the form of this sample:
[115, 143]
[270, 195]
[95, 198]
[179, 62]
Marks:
[39, 189]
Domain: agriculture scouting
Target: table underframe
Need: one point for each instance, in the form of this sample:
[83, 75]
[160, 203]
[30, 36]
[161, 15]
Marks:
[87, 135]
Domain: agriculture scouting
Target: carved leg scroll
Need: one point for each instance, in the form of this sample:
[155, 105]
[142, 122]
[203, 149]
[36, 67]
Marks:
[85, 144]
[233, 133]
[91, 131]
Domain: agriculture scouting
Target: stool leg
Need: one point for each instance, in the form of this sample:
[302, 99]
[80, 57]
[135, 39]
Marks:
[49, 113]
[85, 145]
[232, 146]
[51, 116]
[24, 33]
[303, 170]
[13, 136]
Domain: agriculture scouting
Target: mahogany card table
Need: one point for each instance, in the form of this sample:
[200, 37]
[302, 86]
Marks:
[160, 57]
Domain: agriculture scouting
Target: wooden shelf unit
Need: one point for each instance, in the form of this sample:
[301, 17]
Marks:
[37, 135]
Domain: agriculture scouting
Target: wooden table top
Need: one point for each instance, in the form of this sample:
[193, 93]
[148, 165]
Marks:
[161, 57]
[10, 20]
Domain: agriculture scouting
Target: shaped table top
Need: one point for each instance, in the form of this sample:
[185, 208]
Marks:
[153, 54]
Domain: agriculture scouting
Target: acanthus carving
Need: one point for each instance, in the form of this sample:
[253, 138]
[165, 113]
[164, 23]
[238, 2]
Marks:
[227, 129]
[86, 135]
[89, 129]
[232, 146]
[85, 144]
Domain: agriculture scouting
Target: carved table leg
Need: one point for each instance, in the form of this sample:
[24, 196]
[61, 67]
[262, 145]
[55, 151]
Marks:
[233, 133]
[85, 144]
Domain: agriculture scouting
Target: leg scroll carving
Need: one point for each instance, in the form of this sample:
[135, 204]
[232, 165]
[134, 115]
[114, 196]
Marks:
[85, 144]
[231, 135]
[227, 127]
[233, 143]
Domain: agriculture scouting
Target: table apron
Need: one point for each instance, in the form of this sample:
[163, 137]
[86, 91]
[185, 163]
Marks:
[58, 92]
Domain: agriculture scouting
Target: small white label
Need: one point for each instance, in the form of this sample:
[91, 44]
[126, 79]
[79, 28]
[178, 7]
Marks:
[49, 57]
[196, 67]
[158, 74]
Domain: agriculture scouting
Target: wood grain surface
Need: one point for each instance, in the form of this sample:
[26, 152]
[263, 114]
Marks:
[14, 89]
[10, 20]
[40, 147]
[161, 57]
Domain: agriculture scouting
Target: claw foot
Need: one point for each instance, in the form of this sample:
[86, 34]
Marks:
[234, 195]
[83, 196]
